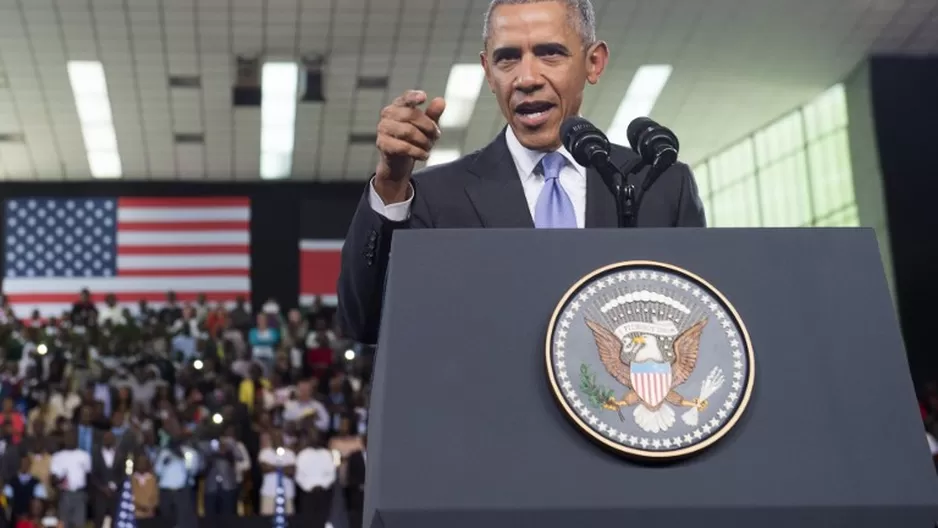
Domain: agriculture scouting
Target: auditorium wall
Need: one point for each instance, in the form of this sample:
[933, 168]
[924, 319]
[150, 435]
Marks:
[281, 212]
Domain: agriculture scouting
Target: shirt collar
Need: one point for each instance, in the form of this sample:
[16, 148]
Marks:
[526, 160]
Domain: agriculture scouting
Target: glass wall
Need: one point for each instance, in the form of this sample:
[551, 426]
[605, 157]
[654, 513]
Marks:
[794, 172]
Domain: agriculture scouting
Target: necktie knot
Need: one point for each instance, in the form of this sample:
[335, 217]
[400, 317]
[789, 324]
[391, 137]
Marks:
[551, 165]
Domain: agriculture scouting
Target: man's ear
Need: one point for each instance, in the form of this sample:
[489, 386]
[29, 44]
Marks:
[484, 60]
[597, 57]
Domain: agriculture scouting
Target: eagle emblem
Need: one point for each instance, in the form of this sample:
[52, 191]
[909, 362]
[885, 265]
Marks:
[661, 362]
[651, 366]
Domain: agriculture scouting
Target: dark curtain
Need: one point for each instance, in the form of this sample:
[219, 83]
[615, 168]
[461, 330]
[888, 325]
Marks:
[905, 110]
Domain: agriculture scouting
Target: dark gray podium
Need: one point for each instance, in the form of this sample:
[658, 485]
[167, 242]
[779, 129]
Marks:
[465, 431]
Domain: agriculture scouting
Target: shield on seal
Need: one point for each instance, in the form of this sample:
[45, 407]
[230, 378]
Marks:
[651, 381]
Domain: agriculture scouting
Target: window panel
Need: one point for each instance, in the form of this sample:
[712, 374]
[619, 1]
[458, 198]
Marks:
[732, 165]
[737, 205]
[779, 139]
[826, 113]
[831, 175]
[784, 194]
[846, 217]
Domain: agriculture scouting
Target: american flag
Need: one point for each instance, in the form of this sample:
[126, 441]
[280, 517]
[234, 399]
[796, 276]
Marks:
[320, 261]
[126, 512]
[280, 502]
[135, 248]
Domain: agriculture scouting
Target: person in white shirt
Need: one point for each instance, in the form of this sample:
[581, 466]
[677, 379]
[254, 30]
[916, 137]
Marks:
[69, 469]
[64, 403]
[315, 476]
[306, 405]
[112, 312]
[278, 463]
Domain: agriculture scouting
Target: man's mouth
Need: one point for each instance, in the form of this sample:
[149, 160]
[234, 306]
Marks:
[533, 113]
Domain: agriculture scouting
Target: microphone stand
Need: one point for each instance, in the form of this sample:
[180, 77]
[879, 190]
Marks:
[627, 203]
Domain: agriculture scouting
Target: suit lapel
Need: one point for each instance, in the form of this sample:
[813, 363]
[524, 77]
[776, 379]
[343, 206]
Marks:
[497, 194]
[600, 203]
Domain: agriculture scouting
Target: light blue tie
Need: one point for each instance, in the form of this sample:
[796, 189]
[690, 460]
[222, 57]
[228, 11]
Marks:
[554, 207]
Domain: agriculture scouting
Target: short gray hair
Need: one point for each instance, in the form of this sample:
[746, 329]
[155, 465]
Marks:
[581, 13]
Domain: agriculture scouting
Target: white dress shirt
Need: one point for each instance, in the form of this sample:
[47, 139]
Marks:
[294, 410]
[572, 178]
[270, 457]
[315, 468]
[108, 455]
[72, 467]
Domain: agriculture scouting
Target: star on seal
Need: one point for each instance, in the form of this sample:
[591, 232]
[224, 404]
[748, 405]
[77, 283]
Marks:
[649, 359]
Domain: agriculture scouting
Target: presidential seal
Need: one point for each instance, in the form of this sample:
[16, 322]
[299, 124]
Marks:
[649, 359]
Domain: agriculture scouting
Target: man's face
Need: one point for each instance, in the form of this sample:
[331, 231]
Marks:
[536, 64]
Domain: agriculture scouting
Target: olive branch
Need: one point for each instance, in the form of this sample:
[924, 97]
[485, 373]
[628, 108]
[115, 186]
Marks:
[597, 395]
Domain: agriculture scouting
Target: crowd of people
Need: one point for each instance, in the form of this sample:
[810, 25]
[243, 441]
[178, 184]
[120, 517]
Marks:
[206, 410]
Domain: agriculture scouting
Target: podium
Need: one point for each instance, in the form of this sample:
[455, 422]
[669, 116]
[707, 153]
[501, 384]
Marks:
[465, 430]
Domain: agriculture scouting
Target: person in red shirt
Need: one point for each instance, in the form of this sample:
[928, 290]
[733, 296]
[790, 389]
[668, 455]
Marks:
[34, 519]
[11, 416]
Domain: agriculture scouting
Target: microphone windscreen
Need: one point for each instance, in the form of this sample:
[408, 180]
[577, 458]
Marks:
[570, 129]
[635, 129]
[583, 140]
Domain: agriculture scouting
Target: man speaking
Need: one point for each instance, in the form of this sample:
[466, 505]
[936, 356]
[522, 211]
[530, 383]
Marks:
[538, 56]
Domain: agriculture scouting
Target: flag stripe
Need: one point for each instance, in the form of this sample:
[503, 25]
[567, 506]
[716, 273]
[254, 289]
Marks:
[207, 225]
[212, 201]
[171, 238]
[210, 272]
[320, 262]
[174, 215]
[129, 296]
[321, 245]
[230, 249]
[138, 262]
[72, 286]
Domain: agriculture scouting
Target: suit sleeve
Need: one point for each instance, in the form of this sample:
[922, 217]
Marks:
[365, 256]
[690, 207]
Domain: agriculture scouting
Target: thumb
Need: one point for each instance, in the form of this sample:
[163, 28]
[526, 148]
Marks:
[435, 109]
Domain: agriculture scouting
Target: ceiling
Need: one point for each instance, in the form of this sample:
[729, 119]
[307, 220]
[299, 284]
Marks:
[738, 64]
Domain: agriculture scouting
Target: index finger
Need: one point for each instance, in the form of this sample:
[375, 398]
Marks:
[411, 98]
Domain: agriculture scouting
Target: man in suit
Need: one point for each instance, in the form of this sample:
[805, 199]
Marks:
[538, 56]
[107, 470]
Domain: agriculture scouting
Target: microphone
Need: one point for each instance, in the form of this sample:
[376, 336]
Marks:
[590, 148]
[657, 145]
[586, 143]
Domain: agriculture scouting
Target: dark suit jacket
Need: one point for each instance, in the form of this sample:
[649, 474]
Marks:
[356, 471]
[483, 190]
[102, 475]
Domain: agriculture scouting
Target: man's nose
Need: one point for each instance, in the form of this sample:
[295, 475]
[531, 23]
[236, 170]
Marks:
[529, 75]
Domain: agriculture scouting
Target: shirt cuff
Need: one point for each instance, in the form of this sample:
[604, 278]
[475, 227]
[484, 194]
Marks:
[396, 212]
